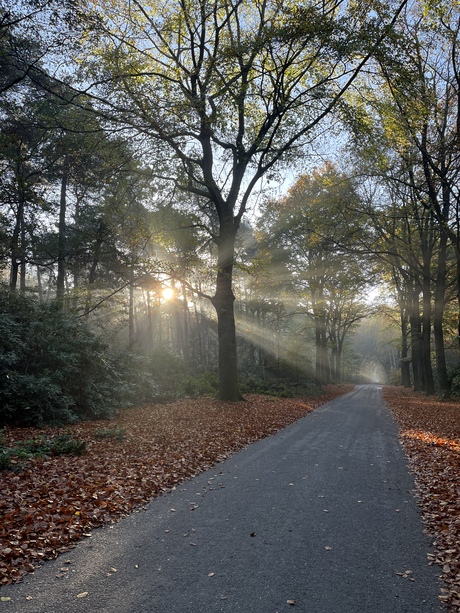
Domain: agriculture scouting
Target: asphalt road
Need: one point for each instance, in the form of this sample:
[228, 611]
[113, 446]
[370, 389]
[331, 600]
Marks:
[318, 518]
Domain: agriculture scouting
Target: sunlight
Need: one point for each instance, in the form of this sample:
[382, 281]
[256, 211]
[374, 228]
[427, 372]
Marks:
[271, 343]
[167, 293]
[432, 439]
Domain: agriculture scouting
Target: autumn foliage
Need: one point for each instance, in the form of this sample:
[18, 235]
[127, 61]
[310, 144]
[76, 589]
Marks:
[49, 503]
[430, 434]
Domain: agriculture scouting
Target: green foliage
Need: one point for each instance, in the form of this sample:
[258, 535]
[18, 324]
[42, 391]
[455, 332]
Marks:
[454, 380]
[54, 369]
[66, 445]
[116, 432]
[63, 444]
[169, 372]
[204, 384]
[5, 458]
[31, 448]
[280, 385]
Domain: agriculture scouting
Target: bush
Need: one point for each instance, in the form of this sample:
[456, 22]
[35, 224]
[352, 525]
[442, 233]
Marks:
[54, 369]
[62, 444]
[66, 445]
[117, 433]
[205, 384]
[169, 372]
[278, 387]
[454, 380]
[5, 459]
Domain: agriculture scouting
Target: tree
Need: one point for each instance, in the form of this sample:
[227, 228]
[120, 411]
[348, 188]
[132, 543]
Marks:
[411, 104]
[313, 231]
[225, 91]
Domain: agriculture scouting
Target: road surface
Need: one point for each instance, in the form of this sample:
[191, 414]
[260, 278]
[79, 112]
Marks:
[319, 518]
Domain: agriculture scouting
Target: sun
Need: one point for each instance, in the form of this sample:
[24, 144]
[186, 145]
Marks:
[167, 293]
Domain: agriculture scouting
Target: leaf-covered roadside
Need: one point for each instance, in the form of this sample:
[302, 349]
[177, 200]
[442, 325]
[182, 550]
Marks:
[430, 434]
[53, 502]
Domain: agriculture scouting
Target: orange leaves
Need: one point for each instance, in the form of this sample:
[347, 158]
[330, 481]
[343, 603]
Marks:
[56, 501]
[430, 434]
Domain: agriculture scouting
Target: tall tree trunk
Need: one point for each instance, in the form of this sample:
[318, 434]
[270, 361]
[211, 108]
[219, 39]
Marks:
[334, 351]
[405, 364]
[186, 325]
[438, 315]
[94, 263]
[426, 334]
[15, 244]
[60, 281]
[339, 367]
[223, 302]
[322, 362]
[22, 281]
[131, 308]
[416, 338]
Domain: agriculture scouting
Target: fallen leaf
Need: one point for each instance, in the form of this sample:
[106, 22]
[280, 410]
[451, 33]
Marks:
[82, 595]
[164, 445]
[429, 430]
[291, 602]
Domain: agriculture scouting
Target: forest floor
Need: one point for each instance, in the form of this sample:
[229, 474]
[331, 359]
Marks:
[429, 430]
[49, 503]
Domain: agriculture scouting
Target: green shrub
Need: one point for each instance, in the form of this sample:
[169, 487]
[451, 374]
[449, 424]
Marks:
[32, 448]
[278, 387]
[204, 384]
[169, 373]
[66, 445]
[5, 458]
[55, 369]
[116, 432]
[63, 444]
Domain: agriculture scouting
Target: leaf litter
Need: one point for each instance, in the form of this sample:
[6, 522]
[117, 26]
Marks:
[429, 431]
[51, 503]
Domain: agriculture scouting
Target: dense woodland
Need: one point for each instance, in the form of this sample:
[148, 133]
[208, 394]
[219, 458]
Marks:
[225, 196]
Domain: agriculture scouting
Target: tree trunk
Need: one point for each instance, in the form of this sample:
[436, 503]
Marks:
[334, 361]
[415, 336]
[438, 315]
[426, 335]
[22, 280]
[322, 362]
[15, 244]
[131, 309]
[223, 302]
[405, 364]
[60, 281]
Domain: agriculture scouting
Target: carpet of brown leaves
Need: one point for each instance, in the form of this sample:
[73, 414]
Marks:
[430, 434]
[53, 502]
